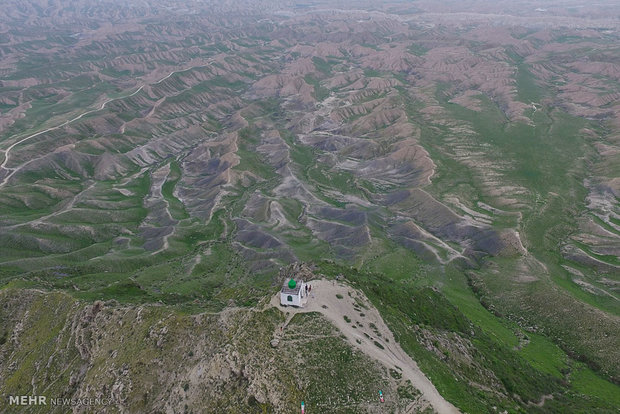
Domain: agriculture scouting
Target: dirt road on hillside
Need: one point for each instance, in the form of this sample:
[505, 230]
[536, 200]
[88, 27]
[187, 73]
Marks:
[335, 301]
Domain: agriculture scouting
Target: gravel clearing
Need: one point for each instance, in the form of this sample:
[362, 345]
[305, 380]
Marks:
[335, 300]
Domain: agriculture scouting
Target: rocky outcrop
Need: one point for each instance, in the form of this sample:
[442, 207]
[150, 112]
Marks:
[154, 359]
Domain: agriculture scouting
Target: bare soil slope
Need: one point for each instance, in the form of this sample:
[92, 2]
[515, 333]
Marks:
[360, 322]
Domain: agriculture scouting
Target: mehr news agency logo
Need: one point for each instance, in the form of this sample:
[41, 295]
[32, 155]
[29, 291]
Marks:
[42, 400]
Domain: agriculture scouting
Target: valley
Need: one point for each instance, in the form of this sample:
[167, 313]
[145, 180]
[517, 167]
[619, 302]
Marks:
[456, 163]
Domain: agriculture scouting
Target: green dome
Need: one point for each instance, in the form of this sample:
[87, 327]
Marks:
[292, 284]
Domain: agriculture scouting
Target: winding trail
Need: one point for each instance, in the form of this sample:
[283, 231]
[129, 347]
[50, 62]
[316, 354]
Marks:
[7, 151]
[392, 355]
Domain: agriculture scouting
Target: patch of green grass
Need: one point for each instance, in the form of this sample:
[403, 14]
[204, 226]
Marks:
[322, 65]
[397, 263]
[372, 73]
[52, 111]
[458, 292]
[403, 305]
[124, 292]
[343, 182]
[255, 163]
[177, 209]
[544, 355]
[371, 46]
[320, 92]
[527, 88]
[587, 382]
[417, 49]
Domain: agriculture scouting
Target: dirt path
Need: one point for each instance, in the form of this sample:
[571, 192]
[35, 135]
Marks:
[7, 151]
[335, 301]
